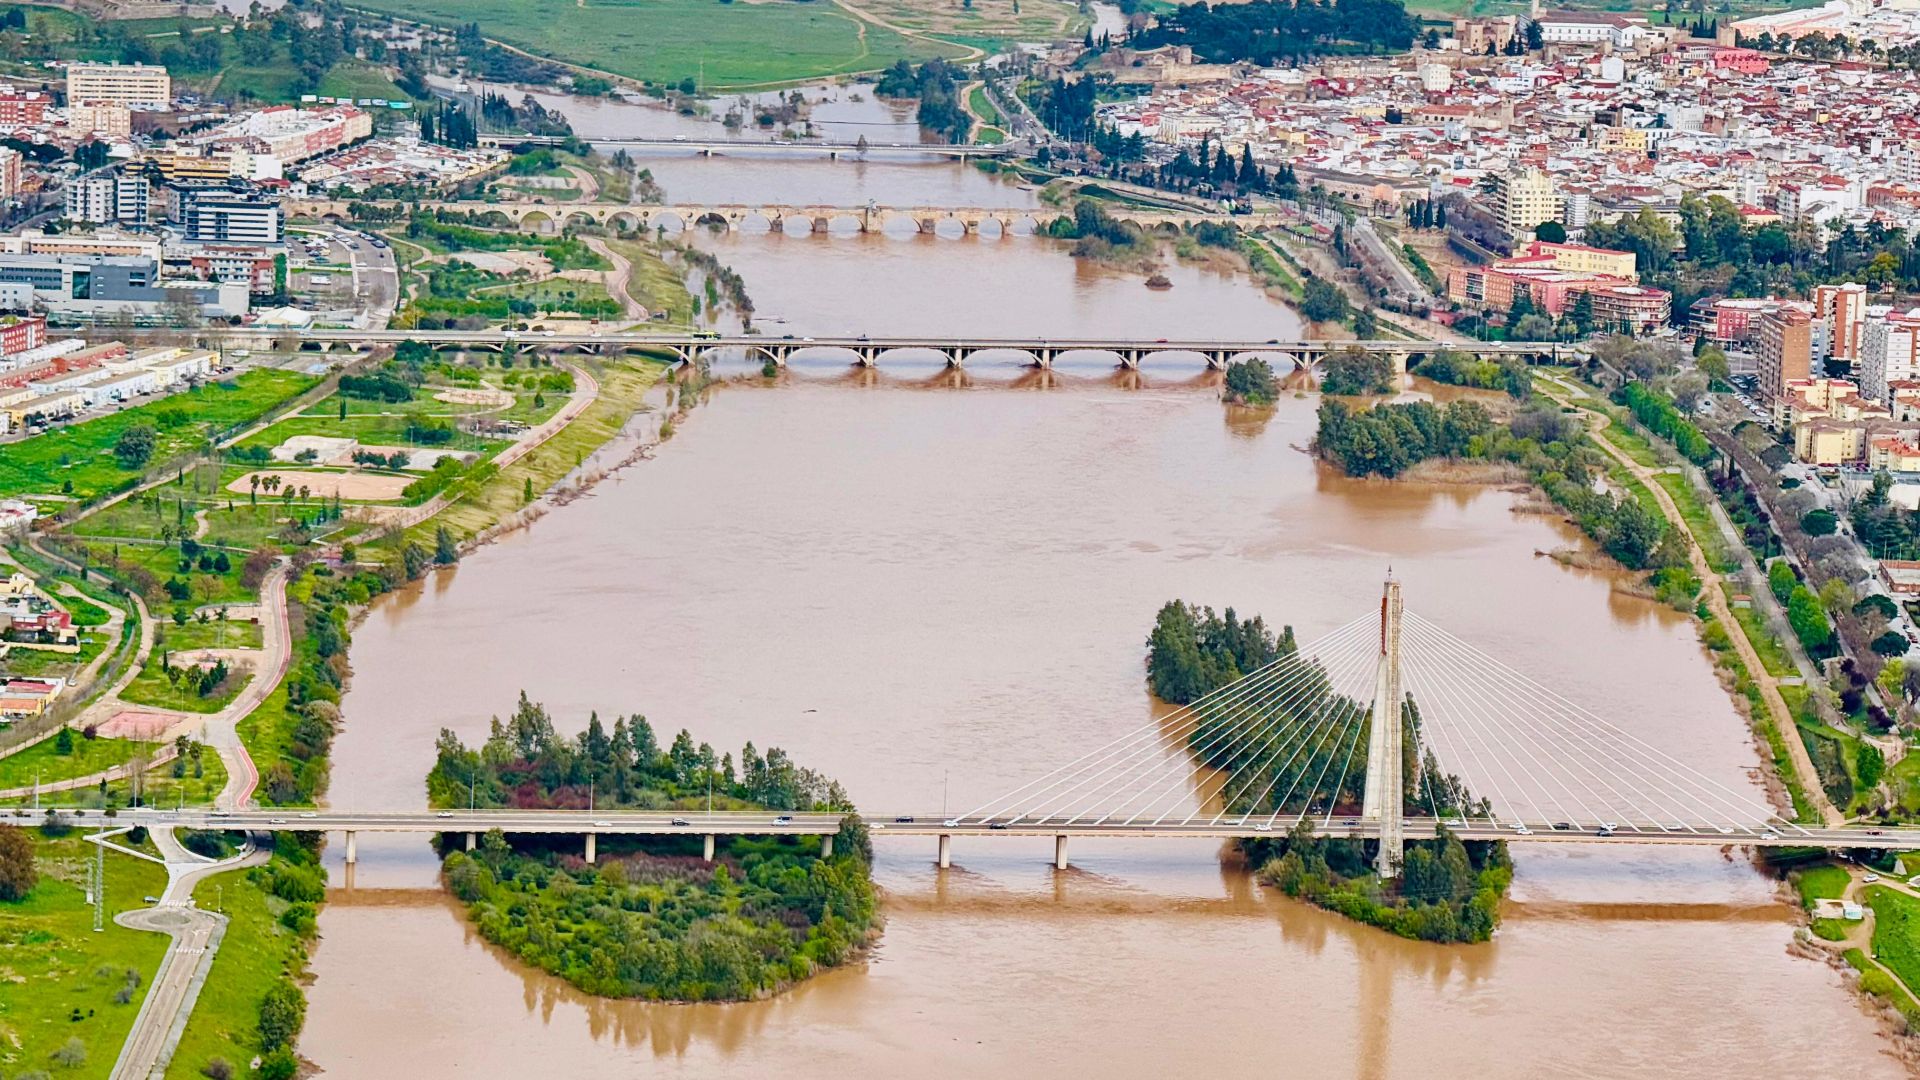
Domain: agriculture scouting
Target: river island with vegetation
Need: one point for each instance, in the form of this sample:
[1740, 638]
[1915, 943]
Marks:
[651, 918]
[1448, 890]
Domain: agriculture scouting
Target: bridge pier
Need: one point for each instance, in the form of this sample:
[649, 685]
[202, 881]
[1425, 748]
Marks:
[946, 851]
[1060, 852]
[353, 847]
[473, 841]
[707, 853]
[1217, 361]
[1130, 359]
[1043, 358]
[826, 846]
[1382, 802]
[592, 846]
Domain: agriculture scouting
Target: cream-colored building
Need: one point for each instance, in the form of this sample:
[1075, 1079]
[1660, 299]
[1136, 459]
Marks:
[120, 84]
[100, 118]
[1526, 197]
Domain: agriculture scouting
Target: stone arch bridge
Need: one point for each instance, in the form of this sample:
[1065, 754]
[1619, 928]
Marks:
[790, 217]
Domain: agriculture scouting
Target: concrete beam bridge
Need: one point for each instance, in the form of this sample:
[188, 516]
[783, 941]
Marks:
[790, 218]
[869, 351]
[833, 149]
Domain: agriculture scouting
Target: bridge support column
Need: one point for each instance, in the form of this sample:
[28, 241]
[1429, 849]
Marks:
[1383, 794]
[1060, 852]
[592, 846]
[473, 841]
[707, 853]
[353, 848]
[826, 846]
[946, 851]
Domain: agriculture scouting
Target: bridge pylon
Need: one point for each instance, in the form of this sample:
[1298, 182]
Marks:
[1381, 804]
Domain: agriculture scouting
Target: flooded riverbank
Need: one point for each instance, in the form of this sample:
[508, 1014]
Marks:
[934, 587]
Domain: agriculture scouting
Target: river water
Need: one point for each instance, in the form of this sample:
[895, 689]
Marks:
[935, 588]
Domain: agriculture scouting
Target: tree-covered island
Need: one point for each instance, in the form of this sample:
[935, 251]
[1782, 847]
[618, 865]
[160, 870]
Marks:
[651, 919]
[1448, 890]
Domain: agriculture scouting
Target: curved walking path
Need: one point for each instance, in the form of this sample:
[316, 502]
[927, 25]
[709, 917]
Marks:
[1716, 601]
[618, 278]
[183, 970]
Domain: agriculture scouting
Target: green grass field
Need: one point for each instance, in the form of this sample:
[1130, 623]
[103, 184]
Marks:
[1773, 655]
[61, 977]
[83, 453]
[212, 634]
[159, 786]
[1823, 882]
[1896, 931]
[255, 954]
[44, 762]
[150, 687]
[721, 45]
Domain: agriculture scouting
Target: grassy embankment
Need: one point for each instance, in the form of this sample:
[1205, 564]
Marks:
[1622, 434]
[666, 41]
[63, 982]
[259, 952]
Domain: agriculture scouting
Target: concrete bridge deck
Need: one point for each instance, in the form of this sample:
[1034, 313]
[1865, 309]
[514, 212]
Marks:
[832, 148]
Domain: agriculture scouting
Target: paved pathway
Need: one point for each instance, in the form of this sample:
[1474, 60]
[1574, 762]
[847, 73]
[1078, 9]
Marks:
[183, 970]
[1716, 600]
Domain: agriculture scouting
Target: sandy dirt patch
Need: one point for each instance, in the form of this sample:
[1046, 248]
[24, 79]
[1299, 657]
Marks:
[136, 724]
[506, 262]
[347, 485]
[481, 395]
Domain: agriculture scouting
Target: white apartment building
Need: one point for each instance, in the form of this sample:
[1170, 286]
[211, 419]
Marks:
[1890, 351]
[120, 84]
[90, 199]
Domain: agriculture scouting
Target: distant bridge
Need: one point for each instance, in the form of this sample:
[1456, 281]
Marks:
[833, 149]
[789, 217]
[869, 351]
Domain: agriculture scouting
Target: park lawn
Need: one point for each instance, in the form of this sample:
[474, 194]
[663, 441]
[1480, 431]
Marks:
[267, 732]
[655, 285]
[1773, 654]
[1903, 777]
[381, 429]
[723, 45]
[989, 136]
[83, 453]
[163, 562]
[39, 662]
[556, 293]
[1875, 982]
[159, 785]
[423, 404]
[211, 634]
[61, 976]
[1699, 521]
[43, 761]
[1823, 882]
[981, 106]
[622, 386]
[1896, 931]
[150, 687]
[988, 24]
[256, 953]
[357, 79]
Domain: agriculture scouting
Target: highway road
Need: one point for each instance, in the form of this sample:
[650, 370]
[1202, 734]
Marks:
[766, 822]
[611, 822]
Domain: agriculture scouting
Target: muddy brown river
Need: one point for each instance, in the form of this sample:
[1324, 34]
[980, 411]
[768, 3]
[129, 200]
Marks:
[935, 589]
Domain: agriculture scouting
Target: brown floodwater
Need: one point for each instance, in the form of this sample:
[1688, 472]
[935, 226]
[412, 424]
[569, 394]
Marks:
[937, 588]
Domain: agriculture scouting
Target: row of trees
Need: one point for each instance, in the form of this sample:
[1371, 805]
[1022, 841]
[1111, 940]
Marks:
[1460, 369]
[937, 89]
[526, 763]
[1269, 33]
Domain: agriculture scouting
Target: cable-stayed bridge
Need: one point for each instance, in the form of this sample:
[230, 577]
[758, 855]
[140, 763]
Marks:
[1385, 729]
